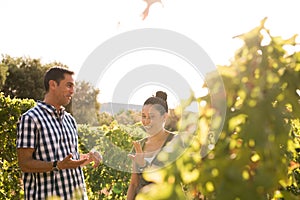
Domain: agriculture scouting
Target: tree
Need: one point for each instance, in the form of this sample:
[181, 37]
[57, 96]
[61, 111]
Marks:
[250, 160]
[85, 106]
[3, 72]
[24, 77]
[105, 118]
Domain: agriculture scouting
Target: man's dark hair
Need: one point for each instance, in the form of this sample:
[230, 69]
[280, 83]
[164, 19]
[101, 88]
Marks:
[57, 74]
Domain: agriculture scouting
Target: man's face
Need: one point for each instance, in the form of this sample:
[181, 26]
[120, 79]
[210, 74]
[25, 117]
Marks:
[65, 90]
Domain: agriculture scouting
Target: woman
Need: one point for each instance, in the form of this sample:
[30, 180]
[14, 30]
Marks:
[154, 116]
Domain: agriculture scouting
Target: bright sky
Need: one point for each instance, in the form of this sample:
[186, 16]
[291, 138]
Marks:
[68, 31]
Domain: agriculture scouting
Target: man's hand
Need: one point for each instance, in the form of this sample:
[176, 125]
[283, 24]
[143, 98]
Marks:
[69, 163]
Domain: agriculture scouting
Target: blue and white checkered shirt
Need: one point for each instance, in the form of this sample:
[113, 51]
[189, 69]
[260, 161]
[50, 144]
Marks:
[53, 135]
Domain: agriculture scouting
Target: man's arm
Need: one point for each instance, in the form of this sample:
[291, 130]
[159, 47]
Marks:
[28, 164]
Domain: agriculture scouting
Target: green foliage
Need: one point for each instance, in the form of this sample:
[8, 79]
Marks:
[105, 118]
[111, 179]
[10, 174]
[250, 158]
[293, 154]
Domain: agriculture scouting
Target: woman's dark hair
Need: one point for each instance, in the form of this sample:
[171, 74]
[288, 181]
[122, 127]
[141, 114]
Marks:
[57, 74]
[159, 101]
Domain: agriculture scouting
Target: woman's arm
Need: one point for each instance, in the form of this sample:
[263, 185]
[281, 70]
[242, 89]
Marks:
[132, 189]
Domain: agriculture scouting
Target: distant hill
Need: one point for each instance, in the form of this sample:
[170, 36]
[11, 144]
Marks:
[114, 108]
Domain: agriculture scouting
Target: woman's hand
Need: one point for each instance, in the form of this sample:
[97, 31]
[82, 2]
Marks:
[138, 158]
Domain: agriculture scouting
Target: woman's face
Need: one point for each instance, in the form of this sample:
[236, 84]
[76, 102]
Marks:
[152, 120]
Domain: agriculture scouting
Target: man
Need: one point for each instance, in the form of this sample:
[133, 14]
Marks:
[47, 143]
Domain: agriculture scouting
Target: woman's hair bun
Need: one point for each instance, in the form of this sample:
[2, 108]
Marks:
[161, 95]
